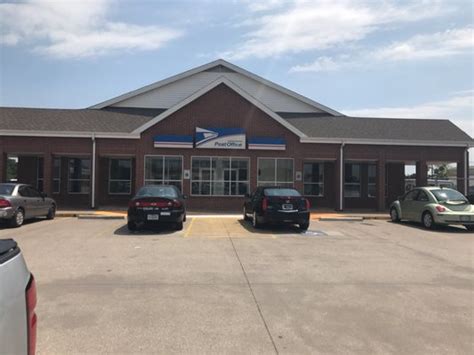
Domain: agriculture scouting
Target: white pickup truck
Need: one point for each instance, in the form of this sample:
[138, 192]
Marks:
[17, 302]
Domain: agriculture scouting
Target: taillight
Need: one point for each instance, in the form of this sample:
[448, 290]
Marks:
[4, 203]
[264, 203]
[139, 203]
[177, 204]
[440, 208]
[307, 204]
[31, 315]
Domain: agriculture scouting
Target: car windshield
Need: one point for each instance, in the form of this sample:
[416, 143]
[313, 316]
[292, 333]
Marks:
[158, 191]
[6, 189]
[281, 192]
[448, 195]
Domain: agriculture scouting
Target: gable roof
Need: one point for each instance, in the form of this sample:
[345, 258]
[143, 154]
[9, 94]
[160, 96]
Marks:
[229, 83]
[221, 66]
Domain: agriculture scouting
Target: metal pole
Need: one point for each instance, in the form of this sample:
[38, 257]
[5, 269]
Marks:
[93, 172]
[341, 176]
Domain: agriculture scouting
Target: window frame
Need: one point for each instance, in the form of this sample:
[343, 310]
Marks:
[353, 183]
[371, 183]
[276, 182]
[58, 179]
[210, 157]
[321, 163]
[69, 178]
[163, 156]
[120, 180]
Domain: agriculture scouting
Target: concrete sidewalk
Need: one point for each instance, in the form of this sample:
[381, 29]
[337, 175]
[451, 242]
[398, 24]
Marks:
[323, 215]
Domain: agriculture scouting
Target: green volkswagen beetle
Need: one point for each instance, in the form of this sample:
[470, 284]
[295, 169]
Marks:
[433, 206]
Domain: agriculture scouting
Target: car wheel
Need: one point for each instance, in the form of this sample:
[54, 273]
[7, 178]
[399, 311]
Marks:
[246, 218]
[470, 227]
[184, 218]
[394, 215]
[427, 220]
[304, 226]
[51, 212]
[255, 222]
[179, 226]
[131, 226]
[18, 218]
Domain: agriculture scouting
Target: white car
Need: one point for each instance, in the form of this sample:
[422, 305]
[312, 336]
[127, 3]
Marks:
[17, 302]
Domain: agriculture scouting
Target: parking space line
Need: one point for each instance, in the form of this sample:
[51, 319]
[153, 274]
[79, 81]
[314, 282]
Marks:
[186, 234]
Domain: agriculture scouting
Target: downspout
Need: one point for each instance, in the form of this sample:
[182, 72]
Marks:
[93, 172]
[466, 171]
[341, 176]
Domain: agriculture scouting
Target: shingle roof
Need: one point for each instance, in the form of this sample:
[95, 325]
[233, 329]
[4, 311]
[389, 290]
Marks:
[65, 120]
[377, 128]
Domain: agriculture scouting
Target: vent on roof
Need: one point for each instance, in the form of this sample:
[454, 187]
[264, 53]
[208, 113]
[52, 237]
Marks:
[220, 69]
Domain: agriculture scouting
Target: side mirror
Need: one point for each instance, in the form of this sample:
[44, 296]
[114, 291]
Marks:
[247, 195]
[185, 197]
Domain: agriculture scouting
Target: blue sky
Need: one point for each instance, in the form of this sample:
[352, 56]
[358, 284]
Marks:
[375, 58]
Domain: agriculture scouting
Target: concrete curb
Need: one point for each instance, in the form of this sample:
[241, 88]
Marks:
[100, 217]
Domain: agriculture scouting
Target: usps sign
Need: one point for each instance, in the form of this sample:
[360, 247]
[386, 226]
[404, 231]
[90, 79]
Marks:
[220, 138]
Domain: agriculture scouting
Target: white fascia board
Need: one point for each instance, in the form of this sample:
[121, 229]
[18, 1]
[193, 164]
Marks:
[66, 134]
[155, 85]
[220, 80]
[387, 142]
[208, 66]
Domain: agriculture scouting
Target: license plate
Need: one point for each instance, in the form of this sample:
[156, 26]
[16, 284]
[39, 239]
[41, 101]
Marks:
[465, 218]
[153, 217]
[287, 207]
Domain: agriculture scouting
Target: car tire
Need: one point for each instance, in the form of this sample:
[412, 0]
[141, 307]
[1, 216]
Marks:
[131, 226]
[18, 218]
[255, 223]
[394, 215]
[51, 212]
[246, 218]
[470, 227]
[427, 220]
[179, 226]
[184, 218]
[304, 226]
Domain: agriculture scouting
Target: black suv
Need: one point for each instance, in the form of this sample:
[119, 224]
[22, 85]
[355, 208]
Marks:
[276, 204]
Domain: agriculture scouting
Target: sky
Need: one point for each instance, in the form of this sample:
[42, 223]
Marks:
[386, 58]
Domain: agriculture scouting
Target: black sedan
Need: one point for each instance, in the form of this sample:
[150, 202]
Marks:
[274, 204]
[156, 204]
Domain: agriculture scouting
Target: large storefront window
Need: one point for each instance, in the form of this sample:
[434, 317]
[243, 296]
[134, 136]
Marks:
[120, 176]
[352, 180]
[167, 170]
[56, 175]
[219, 176]
[372, 180]
[313, 179]
[275, 171]
[79, 176]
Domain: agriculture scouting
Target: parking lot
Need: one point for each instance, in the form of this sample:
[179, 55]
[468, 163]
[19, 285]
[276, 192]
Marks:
[219, 286]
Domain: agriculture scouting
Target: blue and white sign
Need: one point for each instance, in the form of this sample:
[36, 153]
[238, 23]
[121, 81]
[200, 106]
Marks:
[173, 141]
[267, 143]
[220, 138]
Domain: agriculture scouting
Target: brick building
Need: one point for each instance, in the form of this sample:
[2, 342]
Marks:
[217, 131]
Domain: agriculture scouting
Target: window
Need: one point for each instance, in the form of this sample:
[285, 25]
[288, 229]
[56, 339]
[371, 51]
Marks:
[219, 176]
[411, 196]
[352, 180]
[313, 179]
[164, 170]
[39, 174]
[275, 171]
[56, 175]
[422, 196]
[372, 180]
[120, 176]
[79, 176]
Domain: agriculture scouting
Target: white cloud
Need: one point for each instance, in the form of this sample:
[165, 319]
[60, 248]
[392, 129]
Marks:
[420, 47]
[321, 24]
[71, 29]
[459, 108]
